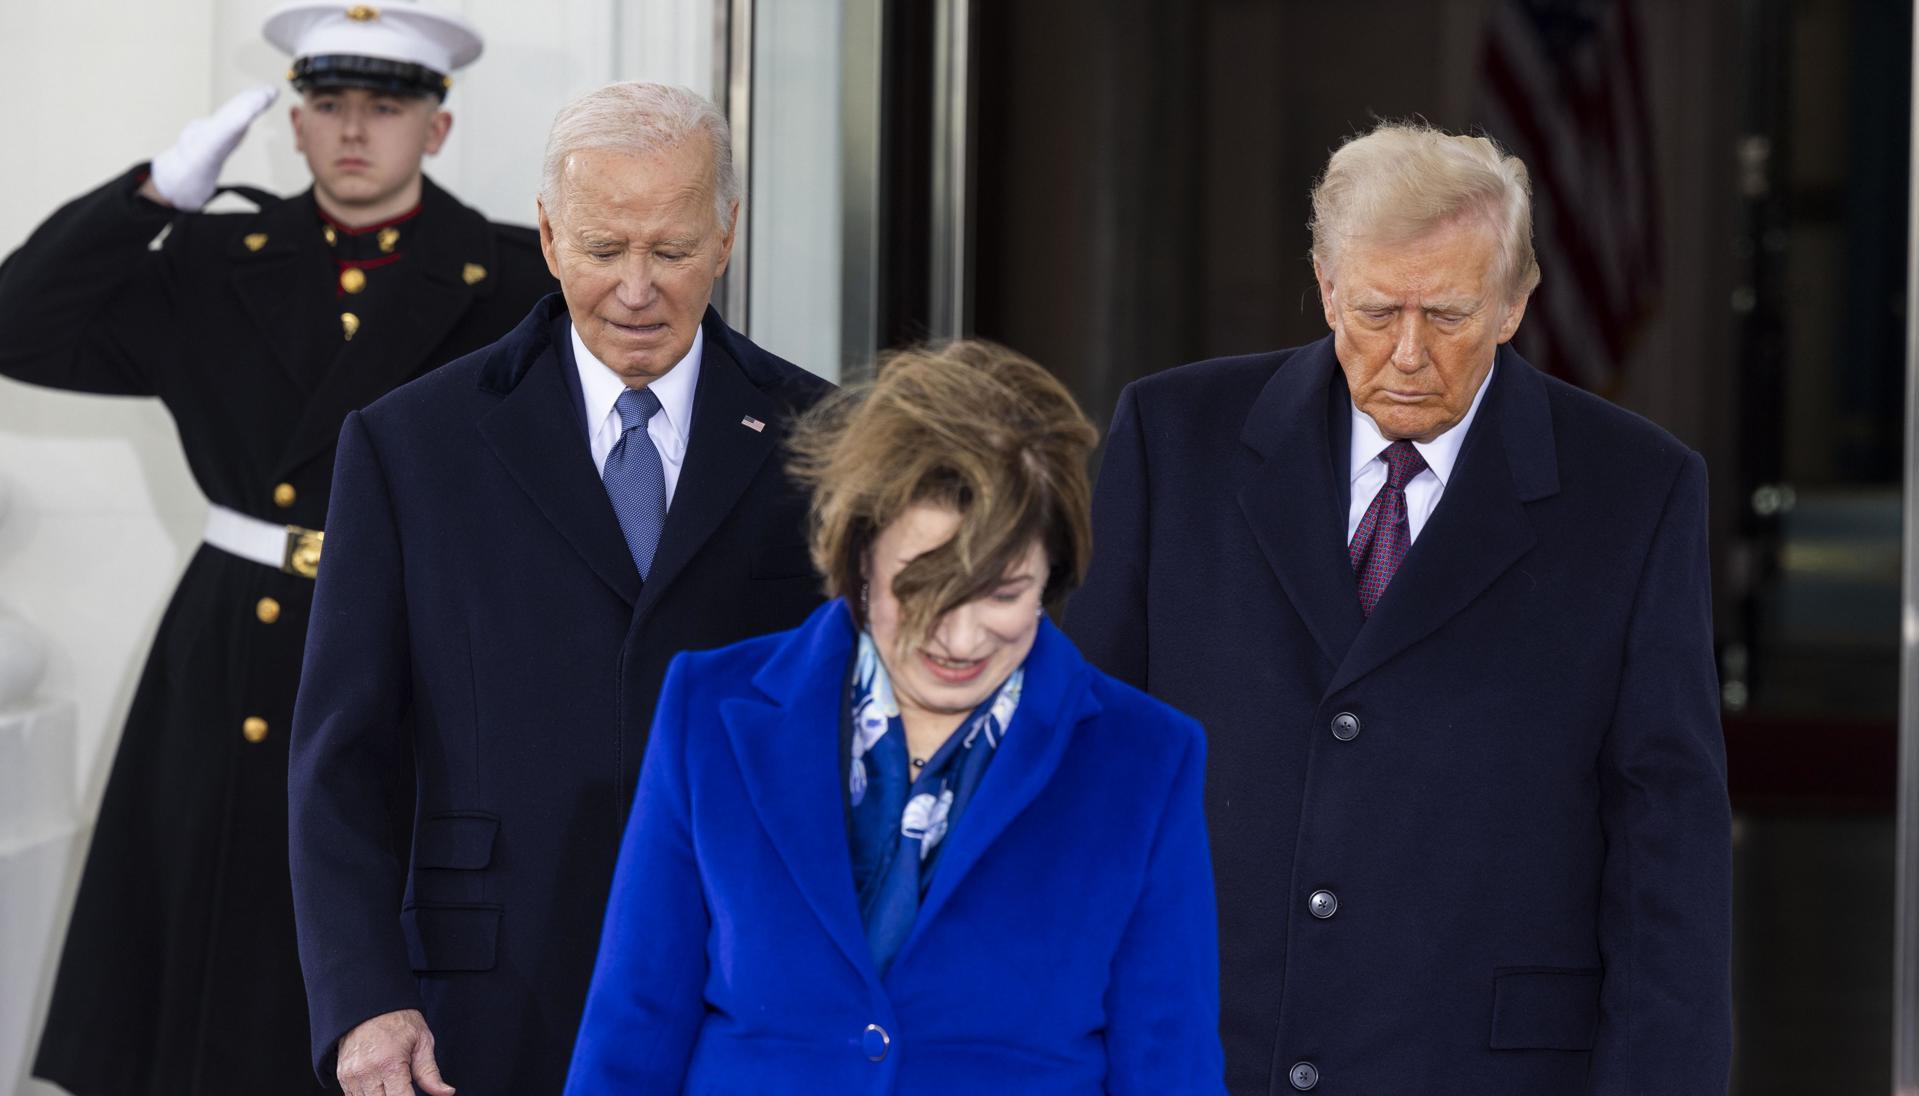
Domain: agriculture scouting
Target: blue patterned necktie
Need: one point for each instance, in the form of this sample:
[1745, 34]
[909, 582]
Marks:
[635, 482]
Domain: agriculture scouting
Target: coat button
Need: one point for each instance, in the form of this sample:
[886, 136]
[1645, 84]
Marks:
[283, 495]
[255, 729]
[1303, 1075]
[1323, 903]
[267, 609]
[874, 1042]
[1345, 726]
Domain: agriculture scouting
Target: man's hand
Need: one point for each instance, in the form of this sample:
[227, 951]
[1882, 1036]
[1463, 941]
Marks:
[388, 1055]
[187, 174]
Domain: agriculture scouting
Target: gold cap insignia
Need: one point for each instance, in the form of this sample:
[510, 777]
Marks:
[352, 279]
[389, 237]
[446, 82]
[363, 13]
[349, 324]
[254, 240]
[473, 273]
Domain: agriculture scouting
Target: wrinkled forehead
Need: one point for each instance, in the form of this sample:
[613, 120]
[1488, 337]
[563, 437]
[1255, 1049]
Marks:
[672, 180]
[1457, 257]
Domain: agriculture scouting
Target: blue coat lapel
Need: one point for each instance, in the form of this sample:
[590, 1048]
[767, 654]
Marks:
[1480, 528]
[1055, 700]
[787, 746]
[1293, 497]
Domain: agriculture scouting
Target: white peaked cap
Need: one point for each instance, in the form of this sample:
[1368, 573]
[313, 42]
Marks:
[393, 30]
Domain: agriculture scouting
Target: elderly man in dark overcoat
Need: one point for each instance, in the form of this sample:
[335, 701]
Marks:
[258, 330]
[1447, 623]
[518, 544]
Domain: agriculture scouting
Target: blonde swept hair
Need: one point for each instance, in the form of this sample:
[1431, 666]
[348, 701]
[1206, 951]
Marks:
[972, 426]
[1405, 179]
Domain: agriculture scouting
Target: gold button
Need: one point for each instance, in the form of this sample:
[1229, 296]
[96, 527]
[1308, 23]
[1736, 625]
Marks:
[255, 729]
[473, 273]
[352, 279]
[267, 609]
[349, 325]
[331, 236]
[389, 237]
[283, 495]
[255, 240]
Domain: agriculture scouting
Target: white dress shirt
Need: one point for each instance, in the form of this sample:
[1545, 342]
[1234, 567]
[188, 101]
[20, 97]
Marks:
[1424, 489]
[670, 428]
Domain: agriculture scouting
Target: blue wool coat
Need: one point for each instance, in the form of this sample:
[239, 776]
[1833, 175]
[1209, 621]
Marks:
[1507, 785]
[1067, 943]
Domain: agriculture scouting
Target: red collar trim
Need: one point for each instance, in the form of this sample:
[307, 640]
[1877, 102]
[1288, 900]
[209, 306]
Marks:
[344, 230]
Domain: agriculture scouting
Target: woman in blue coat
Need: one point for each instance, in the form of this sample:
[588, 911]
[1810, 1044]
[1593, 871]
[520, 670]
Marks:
[917, 845]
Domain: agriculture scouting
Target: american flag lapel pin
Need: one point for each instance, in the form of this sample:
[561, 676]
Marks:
[752, 424]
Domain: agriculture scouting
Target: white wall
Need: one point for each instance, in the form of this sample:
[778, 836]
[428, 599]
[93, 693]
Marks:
[104, 514]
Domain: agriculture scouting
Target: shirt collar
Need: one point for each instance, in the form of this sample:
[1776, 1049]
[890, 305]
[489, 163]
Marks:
[1440, 453]
[600, 387]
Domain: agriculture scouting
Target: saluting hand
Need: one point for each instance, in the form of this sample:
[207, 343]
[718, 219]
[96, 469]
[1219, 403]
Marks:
[388, 1055]
[187, 174]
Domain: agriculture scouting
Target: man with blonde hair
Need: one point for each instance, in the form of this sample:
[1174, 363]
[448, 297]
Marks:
[1447, 622]
[518, 543]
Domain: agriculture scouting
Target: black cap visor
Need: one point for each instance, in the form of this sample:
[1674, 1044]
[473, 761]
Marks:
[330, 72]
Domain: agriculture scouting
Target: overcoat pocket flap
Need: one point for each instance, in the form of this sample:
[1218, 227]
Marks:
[455, 841]
[451, 937]
[1545, 1009]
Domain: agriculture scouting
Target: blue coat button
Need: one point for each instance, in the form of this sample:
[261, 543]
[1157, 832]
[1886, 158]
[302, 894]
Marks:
[874, 1042]
[1304, 1076]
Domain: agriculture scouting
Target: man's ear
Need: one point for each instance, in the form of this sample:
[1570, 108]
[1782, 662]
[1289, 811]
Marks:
[1325, 281]
[726, 239]
[1515, 312]
[299, 135]
[548, 247]
[437, 130]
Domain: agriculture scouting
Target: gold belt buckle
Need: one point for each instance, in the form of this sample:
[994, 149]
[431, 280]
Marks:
[303, 552]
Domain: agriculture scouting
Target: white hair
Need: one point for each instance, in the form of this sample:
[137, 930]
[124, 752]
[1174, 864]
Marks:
[1406, 179]
[638, 119]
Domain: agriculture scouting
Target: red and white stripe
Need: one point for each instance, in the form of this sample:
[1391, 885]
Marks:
[1562, 85]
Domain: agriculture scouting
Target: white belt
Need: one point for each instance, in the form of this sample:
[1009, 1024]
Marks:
[288, 548]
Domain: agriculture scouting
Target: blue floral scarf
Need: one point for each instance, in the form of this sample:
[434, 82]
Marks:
[900, 820]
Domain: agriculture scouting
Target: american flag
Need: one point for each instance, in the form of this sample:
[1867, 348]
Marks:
[1562, 85]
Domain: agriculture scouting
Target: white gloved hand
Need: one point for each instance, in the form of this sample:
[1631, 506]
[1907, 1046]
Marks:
[187, 174]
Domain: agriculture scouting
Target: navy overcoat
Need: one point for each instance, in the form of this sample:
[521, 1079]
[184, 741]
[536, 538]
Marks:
[481, 672]
[1475, 843]
[1066, 943]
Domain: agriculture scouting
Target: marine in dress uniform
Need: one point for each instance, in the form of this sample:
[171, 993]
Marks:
[260, 331]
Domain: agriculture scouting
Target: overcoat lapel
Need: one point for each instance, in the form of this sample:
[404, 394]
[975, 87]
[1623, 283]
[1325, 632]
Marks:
[537, 434]
[1054, 701]
[451, 245]
[787, 748]
[722, 457]
[1478, 530]
[276, 281]
[1294, 503]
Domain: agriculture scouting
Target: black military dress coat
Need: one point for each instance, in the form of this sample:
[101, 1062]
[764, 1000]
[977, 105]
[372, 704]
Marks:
[179, 973]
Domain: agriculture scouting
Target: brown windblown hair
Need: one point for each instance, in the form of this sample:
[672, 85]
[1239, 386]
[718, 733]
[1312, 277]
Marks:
[970, 425]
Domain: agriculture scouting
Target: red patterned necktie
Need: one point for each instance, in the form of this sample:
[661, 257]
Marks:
[1383, 536]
